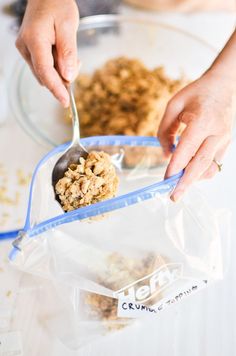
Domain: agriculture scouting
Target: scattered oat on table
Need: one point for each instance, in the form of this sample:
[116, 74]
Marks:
[9, 293]
[23, 178]
[12, 190]
[6, 199]
[4, 217]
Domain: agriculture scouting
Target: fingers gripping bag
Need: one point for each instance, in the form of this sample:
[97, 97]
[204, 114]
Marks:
[119, 256]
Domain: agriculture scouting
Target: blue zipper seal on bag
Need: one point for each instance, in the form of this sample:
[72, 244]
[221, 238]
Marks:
[98, 208]
[9, 234]
[88, 142]
[107, 205]
[114, 140]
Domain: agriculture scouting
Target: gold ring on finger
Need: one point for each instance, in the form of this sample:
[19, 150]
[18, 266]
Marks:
[219, 165]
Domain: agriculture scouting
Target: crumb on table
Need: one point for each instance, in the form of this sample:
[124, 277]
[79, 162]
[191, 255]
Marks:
[8, 293]
[23, 178]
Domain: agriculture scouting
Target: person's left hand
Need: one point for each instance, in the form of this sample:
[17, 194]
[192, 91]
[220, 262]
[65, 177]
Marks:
[206, 108]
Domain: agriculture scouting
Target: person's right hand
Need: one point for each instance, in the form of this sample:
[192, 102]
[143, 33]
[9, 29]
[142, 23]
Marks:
[48, 42]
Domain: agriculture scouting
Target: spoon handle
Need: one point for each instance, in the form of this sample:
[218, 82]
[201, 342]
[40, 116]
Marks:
[75, 116]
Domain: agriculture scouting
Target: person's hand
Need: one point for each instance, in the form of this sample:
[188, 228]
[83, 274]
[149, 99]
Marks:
[47, 41]
[206, 108]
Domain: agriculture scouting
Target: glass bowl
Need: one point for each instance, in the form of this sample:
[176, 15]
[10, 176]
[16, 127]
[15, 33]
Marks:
[101, 38]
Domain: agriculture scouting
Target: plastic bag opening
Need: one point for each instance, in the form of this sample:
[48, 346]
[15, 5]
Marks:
[137, 249]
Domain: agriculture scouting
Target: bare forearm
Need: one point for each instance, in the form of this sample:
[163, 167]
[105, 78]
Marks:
[224, 65]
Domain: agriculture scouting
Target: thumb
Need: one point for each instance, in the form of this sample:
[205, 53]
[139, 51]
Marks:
[170, 124]
[66, 48]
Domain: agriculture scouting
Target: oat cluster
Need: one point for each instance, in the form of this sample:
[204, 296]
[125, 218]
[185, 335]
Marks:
[123, 97]
[93, 180]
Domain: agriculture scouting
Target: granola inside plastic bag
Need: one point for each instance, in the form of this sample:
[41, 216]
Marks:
[143, 255]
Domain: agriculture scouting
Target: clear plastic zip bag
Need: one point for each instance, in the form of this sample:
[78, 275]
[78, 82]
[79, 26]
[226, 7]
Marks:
[123, 258]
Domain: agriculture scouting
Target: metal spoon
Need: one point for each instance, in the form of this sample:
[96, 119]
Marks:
[75, 150]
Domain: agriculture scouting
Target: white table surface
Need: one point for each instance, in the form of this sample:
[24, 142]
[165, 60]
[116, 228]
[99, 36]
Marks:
[203, 325]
